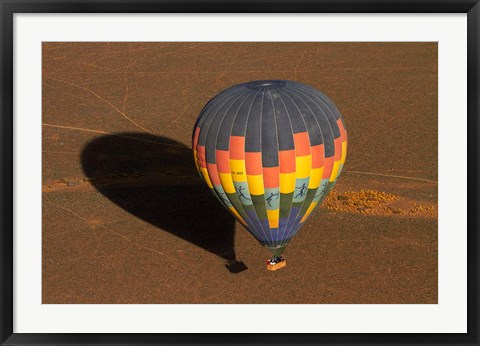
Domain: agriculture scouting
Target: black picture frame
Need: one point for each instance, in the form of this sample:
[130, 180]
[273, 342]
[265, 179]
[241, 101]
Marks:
[9, 8]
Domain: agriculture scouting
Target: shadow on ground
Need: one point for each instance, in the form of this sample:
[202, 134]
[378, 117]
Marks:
[154, 178]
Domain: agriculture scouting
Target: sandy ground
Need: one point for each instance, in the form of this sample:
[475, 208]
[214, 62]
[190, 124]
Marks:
[126, 218]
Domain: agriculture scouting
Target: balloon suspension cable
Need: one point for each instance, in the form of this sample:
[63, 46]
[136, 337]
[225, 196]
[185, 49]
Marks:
[276, 262]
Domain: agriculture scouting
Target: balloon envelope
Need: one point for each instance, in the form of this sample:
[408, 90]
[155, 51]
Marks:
[270, 151]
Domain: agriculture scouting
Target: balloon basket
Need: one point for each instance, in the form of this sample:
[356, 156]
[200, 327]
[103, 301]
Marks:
[276, 262]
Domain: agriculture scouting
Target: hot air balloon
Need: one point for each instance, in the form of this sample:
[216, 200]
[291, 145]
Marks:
[270, 151]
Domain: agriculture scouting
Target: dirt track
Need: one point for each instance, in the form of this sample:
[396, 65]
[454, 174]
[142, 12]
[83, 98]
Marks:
[127, 220]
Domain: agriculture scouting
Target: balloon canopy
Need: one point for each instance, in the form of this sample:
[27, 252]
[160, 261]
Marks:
[270, 151]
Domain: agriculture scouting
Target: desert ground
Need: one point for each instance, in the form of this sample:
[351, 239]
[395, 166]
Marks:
[126, 218]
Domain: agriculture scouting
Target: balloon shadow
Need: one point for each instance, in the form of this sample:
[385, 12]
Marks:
[154, 178]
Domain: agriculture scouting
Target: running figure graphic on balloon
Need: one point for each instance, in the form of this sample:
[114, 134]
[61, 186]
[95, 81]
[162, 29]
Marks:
[302, 190]
[269, 198]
